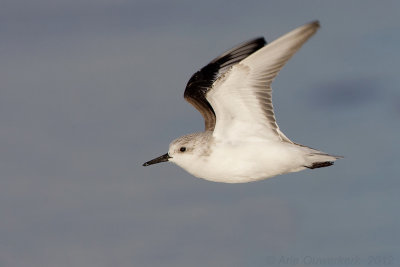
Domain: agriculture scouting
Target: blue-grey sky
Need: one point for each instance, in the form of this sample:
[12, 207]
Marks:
[89, 90]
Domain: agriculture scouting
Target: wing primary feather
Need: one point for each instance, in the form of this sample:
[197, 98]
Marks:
[201, 82]
[242, 98]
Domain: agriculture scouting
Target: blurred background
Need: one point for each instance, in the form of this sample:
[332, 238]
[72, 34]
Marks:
[89, 90]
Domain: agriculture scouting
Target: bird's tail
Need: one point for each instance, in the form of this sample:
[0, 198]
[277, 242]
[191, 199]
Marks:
[317, 159]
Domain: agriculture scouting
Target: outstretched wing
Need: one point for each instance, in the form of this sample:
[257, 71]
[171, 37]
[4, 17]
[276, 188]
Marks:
[242, 99]
[201, 82]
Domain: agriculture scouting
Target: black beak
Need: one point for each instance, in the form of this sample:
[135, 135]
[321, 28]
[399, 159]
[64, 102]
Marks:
[162, 158]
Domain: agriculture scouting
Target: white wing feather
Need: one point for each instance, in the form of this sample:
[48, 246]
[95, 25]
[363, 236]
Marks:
[242, 99]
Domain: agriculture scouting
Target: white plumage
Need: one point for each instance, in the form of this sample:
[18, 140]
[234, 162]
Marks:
[242, 141]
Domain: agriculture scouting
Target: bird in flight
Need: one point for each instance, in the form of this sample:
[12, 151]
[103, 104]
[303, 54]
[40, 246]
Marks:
[242, 141]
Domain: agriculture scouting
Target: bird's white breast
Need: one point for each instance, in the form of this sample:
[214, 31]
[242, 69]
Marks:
[245, 162]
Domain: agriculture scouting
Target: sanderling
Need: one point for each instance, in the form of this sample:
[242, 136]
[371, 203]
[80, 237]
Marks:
[242, 141]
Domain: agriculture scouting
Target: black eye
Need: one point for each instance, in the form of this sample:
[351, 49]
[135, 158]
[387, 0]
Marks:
[182, 149]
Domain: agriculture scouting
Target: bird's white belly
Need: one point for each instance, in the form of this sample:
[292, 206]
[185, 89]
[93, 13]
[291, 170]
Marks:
[245, 163]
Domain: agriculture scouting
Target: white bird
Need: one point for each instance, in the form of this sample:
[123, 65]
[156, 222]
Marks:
[242, 141]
